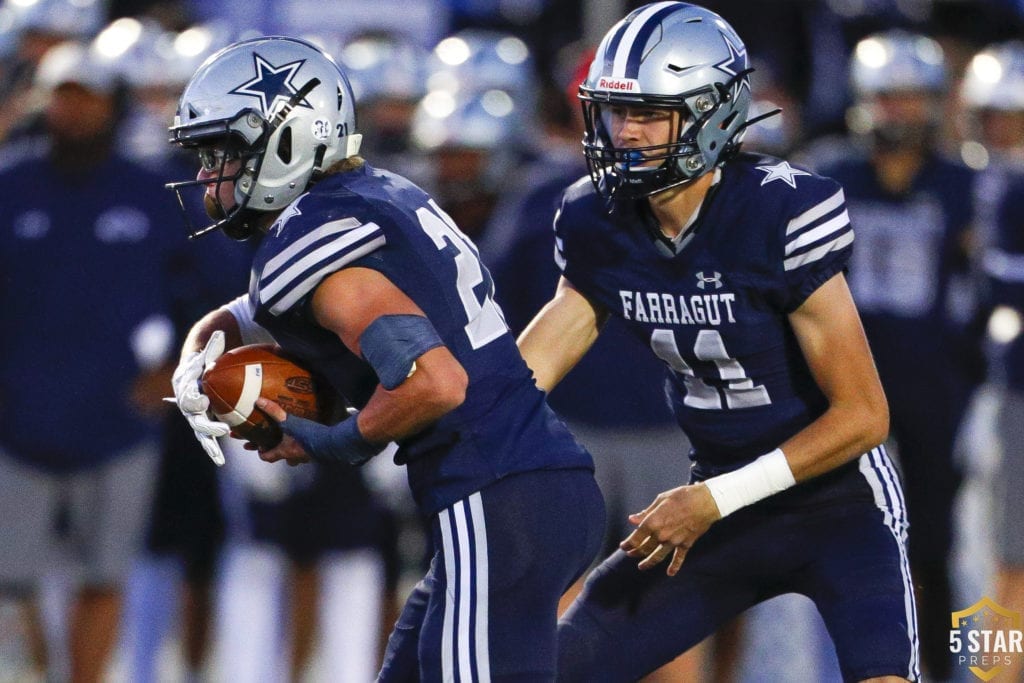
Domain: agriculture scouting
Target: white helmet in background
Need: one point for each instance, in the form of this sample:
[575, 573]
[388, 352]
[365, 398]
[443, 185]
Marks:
[995, 78]
[897, 63]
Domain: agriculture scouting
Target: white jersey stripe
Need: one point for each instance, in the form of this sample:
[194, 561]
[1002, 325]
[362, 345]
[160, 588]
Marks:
[300, 260]
[816, 212]
[300, 245]
[1003, 265]
[815, 254]
[305, 286]
[626, 44]
[820, 232]
[483, 655]
[450, 581]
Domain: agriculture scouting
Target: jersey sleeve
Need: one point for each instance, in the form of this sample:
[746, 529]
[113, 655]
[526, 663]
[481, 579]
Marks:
[301, 264]
[569, 252]
[817, 242]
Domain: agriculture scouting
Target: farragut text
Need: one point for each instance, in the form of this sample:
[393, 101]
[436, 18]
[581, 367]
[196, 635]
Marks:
[670, 309]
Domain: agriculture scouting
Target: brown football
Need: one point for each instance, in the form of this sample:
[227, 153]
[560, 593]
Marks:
[240, 376]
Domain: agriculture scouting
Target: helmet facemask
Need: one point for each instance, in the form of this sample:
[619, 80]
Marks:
[216, 150]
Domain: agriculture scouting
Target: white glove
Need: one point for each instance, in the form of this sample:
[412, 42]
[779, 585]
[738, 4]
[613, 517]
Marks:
[191, 401]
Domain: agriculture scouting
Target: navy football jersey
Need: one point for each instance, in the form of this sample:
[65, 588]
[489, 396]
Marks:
[715, 310]
[903, 274]
[375, 219]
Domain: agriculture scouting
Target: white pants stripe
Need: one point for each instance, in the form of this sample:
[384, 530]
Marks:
[878, 470]
[464, 647]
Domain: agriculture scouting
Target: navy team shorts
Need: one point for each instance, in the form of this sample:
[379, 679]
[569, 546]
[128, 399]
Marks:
[841, 542]
[487, 608]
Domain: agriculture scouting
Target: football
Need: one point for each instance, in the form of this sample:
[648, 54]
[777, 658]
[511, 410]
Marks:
[241, 375]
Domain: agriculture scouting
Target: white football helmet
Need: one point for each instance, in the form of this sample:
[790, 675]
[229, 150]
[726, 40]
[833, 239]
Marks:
[896, 63]
[281, 105]
[995, 78]
[669, 55]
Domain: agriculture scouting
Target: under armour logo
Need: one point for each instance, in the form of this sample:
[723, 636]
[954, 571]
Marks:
[703, 281]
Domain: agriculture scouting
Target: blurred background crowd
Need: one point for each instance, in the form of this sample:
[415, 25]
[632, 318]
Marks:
[129, 556]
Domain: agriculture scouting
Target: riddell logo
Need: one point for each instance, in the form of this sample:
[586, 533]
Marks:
[618, 84]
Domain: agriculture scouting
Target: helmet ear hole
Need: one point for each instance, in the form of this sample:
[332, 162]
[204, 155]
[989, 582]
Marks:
[284, 146]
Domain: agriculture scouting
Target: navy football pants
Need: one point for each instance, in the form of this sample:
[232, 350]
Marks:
[487, 608]
[848, 557]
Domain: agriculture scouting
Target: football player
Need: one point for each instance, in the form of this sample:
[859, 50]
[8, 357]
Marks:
[359, 273]
[729, 267]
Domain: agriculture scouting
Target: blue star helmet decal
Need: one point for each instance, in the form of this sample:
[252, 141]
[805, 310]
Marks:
[272, 84]
[736, 62]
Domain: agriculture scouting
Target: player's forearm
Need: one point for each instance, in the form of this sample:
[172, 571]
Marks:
[843, 432]
[436, 387]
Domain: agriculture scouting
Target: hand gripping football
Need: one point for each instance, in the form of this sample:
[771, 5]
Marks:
[242, 375]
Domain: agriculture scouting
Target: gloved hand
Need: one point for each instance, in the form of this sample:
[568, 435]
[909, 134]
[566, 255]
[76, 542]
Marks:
[191, 401]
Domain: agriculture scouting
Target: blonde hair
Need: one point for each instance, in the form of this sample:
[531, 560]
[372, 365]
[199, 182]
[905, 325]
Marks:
[344, 165]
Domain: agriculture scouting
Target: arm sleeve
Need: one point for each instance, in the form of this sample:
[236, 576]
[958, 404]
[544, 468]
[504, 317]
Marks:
[252, 333]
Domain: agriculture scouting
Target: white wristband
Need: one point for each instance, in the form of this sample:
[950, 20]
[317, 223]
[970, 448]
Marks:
[764, 477]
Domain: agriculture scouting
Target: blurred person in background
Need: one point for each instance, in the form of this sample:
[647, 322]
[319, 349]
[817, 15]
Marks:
[992, 106]
[31, 28]
[171, 590]
[85, 303]
[388, 72]
[992, 93]
[1004, 264]
[913, 208]
[476, 122]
